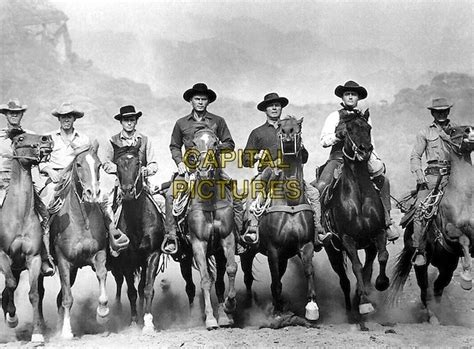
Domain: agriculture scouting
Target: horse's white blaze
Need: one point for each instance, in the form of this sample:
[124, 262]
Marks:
[205, 138]
[94, 181]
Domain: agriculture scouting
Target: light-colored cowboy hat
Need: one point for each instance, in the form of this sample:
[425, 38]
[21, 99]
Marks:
[199, 89]
[440, 103]
[13, 105]
[351, 86]
[127, 111]
[67, 108]
[272, 98]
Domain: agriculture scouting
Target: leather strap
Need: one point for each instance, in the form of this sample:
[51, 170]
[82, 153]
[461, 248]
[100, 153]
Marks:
[289, 209]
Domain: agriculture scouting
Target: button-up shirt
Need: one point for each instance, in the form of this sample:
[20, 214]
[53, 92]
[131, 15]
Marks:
[185, 127]
[430, 142]
[63, 150]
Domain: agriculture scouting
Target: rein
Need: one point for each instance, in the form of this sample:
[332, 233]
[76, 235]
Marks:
[357, 155]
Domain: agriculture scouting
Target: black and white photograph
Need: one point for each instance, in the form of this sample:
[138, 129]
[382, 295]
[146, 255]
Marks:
[236, 173]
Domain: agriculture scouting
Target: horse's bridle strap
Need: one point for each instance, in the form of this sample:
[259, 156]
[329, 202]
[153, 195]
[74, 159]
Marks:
[289, 209]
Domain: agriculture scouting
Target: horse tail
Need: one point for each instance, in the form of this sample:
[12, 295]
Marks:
[401, 271]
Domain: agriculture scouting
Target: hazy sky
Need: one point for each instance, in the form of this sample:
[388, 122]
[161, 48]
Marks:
[401, 26]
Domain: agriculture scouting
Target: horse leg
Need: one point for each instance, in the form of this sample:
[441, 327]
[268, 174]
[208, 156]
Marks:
[421, 273]
[41, 297]
[446, 271]
[200, 250]
[222, 319]
[65, 299]
[118, 293]
[370, 254]
[276, 287]
[150, 276]
[382, 282]
[228, 245]
[186, 271]
[246, 260]
[132, 295]
[141, 288]
[33, 264]
[336, 258]
[365, 307]
[465, 275]
[11, 283]
[102, 312]
[306, 255]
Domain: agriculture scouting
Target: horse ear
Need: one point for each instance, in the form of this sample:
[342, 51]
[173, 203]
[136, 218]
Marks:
[95, 145]
[366, 114]
[300, 121]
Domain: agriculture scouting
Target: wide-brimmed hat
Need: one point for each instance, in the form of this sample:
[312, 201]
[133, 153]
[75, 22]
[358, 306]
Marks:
[199, 89]
[127, 111]
[272, 98]
[67, 108]
[13, 105]
[440, 103]
[351, 86]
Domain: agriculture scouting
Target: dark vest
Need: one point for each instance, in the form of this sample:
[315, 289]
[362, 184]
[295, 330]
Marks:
[141, 145]
[336, 150]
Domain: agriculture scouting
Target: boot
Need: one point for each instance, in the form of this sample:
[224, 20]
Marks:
[320, 236]
[118, 241]
[418, 242]
[47, 265]
[383, 185]
[170, 240]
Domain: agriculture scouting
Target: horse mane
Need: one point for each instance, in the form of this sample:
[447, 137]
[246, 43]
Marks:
[65, 179]
[12, 133]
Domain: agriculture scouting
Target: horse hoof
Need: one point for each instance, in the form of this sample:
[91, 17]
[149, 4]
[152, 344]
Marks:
[382, 283]
[211, 324]
[225, 321]
[433, 320]
[67, 336]
[466, 281]
[37, 338]
[147, 330]
[12, 321]
[366, 308]
[229, 305]
[312, 311]
[102, 315]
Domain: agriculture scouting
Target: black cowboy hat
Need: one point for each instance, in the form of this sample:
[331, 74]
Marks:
[67, 109]
[351, 86]
[127, 111]
[272, 98]
[13, 105]
[439, 104]
[199, 89]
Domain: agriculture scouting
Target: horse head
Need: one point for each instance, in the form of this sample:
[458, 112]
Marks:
[204, 152]
[462, 139]
[289, 135]
[128, 171]
[85, 169]
[357, 142]
[30, 149]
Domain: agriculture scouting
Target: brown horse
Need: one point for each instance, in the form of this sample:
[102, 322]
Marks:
[20, 230]
[451, 233]
[78, 232]
[210, 223]
[355, 214]
[141, 221]
[287, 226]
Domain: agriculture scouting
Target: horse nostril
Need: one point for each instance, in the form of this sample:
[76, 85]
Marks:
[88, 192]
[44, 138]
[98, 192]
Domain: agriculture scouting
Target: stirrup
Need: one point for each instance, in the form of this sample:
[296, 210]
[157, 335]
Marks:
[47, 268]
[165, 243]
[417, 254]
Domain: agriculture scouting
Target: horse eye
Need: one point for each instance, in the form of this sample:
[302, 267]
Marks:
[20, 139]
[79, 165]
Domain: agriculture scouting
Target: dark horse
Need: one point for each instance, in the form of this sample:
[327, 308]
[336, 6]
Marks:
[451, 233]
[286, 227]
[354, 212]
[78, 232]
[141, 221]
[20, 230]
[210, 224]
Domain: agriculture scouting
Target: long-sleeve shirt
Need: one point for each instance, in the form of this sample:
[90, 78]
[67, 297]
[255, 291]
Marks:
[264, 137]
[429, 141]
[63, 150]
[122, 140]
[185, 127]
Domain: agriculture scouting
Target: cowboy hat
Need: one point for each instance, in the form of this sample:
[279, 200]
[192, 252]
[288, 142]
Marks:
[199, 89]
[127, 111]
[351, 86]
[13, 105]
[67, 108]
[272, 98]
[440, 103]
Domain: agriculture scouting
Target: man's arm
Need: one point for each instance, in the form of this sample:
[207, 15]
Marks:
[108, 165]
[152, 163]
[417, 152]
[328, 133]
[251, 149]
[224, 136]
[176, 144]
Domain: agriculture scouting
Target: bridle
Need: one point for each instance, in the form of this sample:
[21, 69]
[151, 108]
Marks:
[140, 175]
[358, 156]
[296, 138]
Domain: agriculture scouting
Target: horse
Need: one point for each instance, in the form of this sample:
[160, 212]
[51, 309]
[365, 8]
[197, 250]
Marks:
[450, 235]
[286, 227]
[352, 209]
[210, 226]
[20, 229]
[78, 232]
[143, 223]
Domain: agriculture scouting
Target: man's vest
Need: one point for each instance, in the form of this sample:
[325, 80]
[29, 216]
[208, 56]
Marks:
[142, 142]
[336, 149]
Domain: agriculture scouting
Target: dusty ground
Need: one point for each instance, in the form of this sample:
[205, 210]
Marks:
[403, 325]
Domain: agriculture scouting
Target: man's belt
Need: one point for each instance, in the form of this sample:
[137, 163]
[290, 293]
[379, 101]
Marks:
[436, 170]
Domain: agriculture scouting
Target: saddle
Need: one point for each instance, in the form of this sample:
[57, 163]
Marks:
[328, 191]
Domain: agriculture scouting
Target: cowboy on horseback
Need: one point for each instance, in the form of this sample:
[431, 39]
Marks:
[333, 134]
[431, 142]
[264, 140]
[66, 140]
[14, 111]
[199, 96]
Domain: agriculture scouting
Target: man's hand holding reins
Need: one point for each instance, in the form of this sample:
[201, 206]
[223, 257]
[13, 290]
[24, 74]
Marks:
[182, 169]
